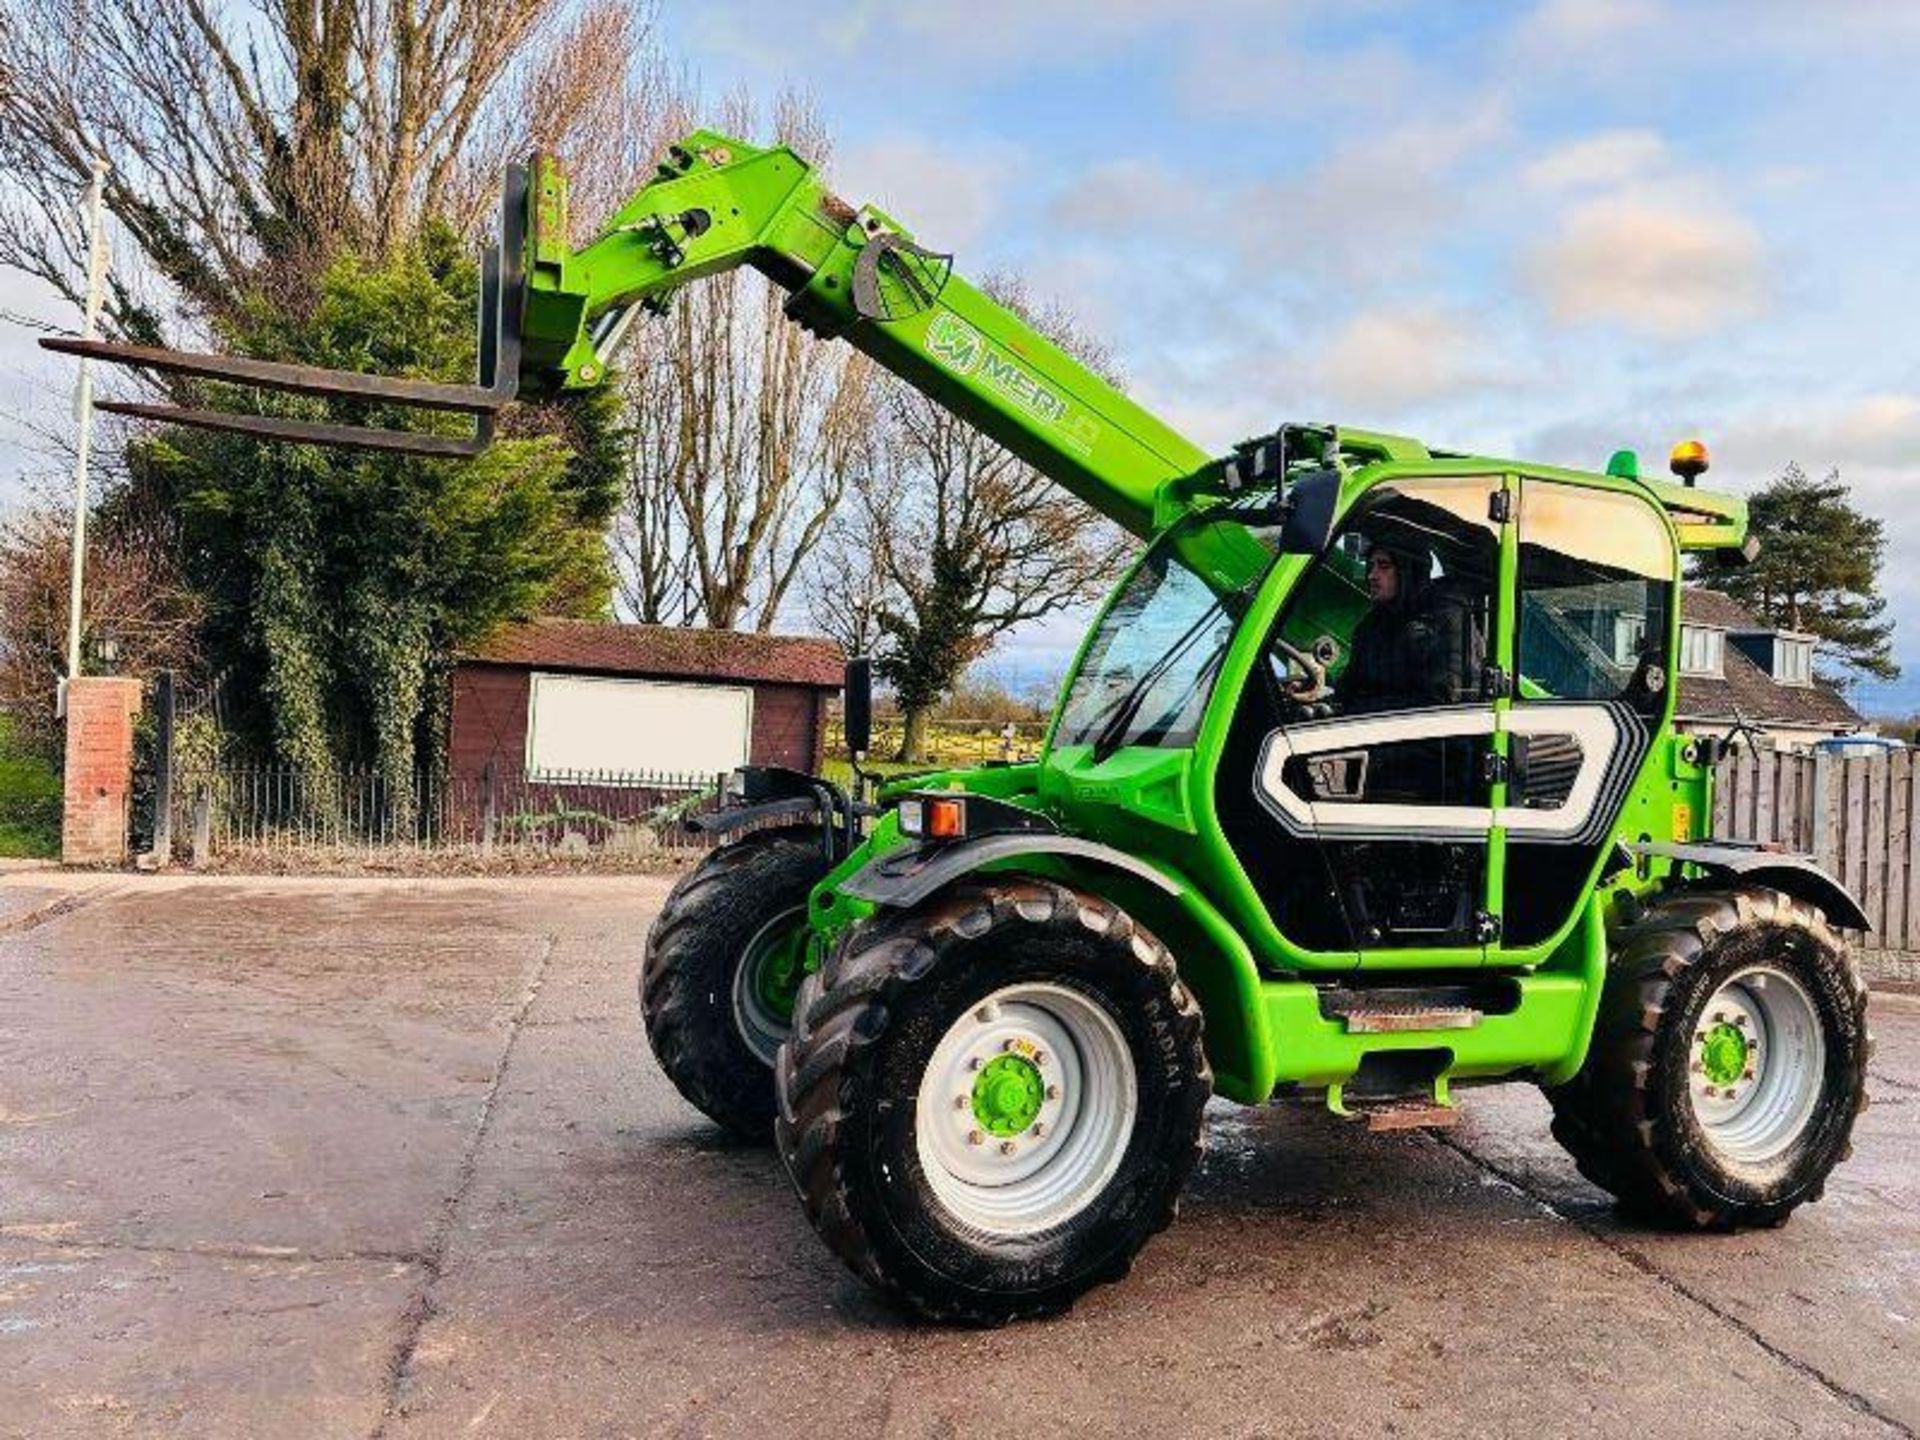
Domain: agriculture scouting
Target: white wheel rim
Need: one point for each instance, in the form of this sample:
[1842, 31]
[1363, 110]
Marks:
[1021, 1184]
[1755, 1117]
[763, 1028]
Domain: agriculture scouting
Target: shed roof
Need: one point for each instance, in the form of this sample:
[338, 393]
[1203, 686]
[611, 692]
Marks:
[677, 651]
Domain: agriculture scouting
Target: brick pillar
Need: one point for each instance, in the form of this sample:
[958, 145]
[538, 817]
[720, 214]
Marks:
[100, 711]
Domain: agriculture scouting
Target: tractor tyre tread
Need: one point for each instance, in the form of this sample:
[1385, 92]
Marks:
[823, 1076]
[1621, 1120]
[686, 1000]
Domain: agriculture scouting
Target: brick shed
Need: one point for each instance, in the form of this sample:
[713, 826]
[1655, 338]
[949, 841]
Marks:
[549, 699]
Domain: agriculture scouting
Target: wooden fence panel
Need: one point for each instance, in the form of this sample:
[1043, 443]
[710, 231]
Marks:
[1853, 843]
[1910, 845]
[1858, 817]
[1899, 875]
[1766, 782]
[1727, 782]
[1873, 879]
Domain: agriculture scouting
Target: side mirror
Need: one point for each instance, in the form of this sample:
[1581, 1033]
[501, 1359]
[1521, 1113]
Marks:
[1309, 524]
[857, 705]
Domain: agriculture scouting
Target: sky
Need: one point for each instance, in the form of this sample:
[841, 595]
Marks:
[1546, 230]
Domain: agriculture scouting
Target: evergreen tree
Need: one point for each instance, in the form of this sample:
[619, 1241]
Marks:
[1817, 572]
[341, 583]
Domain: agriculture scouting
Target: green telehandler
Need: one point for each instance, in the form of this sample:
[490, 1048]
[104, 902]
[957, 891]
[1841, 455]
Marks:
[1365, 785]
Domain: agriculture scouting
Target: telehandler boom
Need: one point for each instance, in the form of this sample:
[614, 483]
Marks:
[1370, 762]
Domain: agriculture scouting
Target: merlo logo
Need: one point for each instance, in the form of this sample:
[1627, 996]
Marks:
[955, 343]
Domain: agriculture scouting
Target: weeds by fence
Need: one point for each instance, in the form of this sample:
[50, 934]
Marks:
[249, 813]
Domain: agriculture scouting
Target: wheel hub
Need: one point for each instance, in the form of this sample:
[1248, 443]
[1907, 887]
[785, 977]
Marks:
[1757, 1064]
[1723, 1054]
[766, 980]
[777, 971]
[1008, 1094]
[1025, 1108]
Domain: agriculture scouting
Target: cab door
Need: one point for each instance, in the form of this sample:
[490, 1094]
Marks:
[1593, 594]
[1393, 783]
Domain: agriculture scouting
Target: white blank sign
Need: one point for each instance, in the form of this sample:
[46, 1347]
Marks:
[577, 722]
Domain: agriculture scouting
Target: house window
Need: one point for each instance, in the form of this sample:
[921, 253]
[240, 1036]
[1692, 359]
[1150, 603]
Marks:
[1700, 650]
[1793, 661]
[1629, 634]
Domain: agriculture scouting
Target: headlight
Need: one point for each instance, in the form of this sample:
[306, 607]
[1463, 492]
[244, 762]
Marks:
[934, 817]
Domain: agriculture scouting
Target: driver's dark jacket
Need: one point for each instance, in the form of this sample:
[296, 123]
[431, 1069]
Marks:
[1427, 651]
[1404, 657]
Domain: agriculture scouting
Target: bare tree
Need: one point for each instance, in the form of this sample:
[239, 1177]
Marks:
[845, 584]
[967, 542]
[746, 432]
[135, 593]
[250, 143]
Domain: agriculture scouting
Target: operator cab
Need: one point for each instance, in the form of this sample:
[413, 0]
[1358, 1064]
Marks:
[1459, 689]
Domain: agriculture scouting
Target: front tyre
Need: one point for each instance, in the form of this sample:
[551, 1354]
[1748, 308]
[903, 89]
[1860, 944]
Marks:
[990, 1104]
[1728, 1063]
[723, 961]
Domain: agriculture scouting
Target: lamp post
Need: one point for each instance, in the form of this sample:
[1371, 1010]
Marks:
[83, 415]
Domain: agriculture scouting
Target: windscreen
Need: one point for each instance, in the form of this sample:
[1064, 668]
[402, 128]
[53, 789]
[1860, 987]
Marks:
[1149, 669]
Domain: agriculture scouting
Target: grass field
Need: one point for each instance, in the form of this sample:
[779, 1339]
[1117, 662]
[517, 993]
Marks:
[29, 800]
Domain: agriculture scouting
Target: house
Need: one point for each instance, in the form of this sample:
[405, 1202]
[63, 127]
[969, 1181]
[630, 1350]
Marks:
[560, 701]
[1731, 666]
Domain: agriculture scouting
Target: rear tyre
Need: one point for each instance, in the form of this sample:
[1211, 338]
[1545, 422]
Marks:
[988, 1105]
[1728, 1063]
[723, 961]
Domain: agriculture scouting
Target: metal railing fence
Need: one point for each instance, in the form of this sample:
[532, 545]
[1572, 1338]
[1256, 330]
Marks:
[265, 811]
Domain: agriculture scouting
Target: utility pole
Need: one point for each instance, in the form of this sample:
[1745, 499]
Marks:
[83, 416]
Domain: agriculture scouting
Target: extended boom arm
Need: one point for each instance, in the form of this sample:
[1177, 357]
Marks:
[552, 318]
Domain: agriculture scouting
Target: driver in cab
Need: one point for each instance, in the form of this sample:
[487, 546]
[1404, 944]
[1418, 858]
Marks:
[1416, 645]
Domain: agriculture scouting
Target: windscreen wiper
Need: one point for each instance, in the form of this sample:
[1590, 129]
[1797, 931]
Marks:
[1127, 707]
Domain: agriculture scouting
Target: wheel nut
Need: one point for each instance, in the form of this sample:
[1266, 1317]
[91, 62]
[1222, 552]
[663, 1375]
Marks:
[1039, 1129]
[1053, 1092]
[1747, 1074]
[1010, 1044]
[1711, 1092]
[1039, 1057]
[1697, 1067]
[1006, 1147]
[974, 1137]
[960, 1102]
[1741, 1021]
[973, 1062]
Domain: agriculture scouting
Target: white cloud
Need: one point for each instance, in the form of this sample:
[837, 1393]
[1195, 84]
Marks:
[1570, 29]
[947, 195]
[1123, 197]
[1386, 359]
[1368, 212]
[985, 41]
[1262, 71]
[1876, 435]
[1612, 157]
[1661, 261]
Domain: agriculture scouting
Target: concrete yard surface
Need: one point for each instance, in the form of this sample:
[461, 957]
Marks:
[389, 1158]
